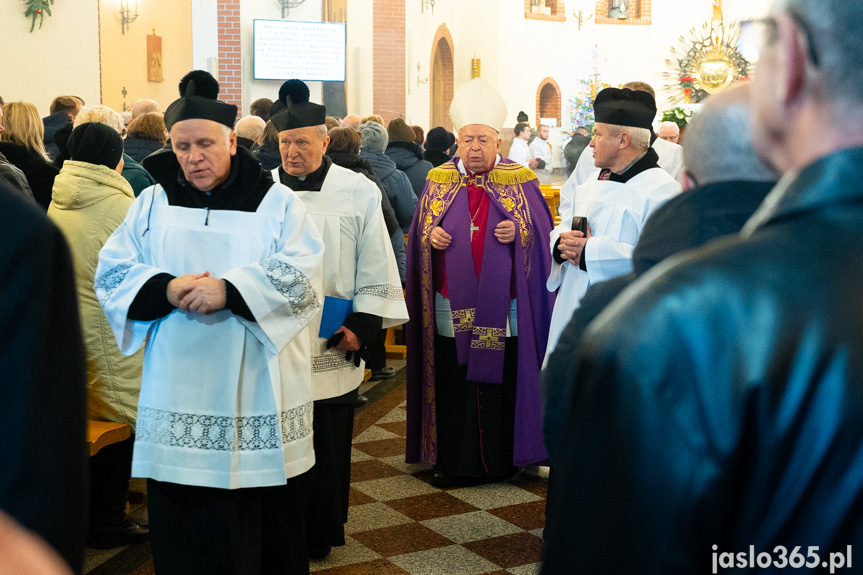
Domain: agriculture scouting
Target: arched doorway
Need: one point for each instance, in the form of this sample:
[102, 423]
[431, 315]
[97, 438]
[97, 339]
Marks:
[442, 79]
[548, 101]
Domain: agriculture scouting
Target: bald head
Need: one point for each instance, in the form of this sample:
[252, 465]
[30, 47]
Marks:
[250, 127]
[718, 146]
[145, 106]
[351, 121]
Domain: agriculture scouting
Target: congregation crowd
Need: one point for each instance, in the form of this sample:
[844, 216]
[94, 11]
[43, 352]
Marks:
[683, 349]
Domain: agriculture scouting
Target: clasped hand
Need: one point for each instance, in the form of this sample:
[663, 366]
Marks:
[197, 293]
[504, 232]
[572, 244]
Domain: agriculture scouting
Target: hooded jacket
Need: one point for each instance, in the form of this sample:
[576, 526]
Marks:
[408, 158]
[89, 203]
[396, 184]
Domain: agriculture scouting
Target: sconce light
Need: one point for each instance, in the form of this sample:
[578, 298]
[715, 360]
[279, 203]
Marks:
[421, 81]
[287, 5]
[126, 16]
[427, 4]
[581, 16]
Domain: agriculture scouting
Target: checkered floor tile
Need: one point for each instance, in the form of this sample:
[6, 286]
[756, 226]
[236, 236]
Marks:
[400, 523]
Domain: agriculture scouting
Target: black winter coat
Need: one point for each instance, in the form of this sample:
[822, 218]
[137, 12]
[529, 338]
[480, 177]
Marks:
[718, 402]
[40, 174]
[139, 148]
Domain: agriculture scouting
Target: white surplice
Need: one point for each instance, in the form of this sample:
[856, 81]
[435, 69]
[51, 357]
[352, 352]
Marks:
[541, 149]
[616, 213]
[519, 152]
[359, 265]
[225, 402]
[670, 160]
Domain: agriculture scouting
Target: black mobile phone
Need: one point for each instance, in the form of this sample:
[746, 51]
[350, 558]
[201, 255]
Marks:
[579, 223]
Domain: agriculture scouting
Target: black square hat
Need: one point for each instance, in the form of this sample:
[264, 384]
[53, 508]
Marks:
[192, 107]
[293, 109]
[625, 107]
[300, 116]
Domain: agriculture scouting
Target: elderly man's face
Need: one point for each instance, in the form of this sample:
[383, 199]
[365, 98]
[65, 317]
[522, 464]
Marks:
[606, 147]
[302, 150]
[204, 152]
[478, 146]
[669, 133]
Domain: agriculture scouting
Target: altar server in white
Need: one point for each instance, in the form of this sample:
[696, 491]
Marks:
[362, 295]
[540, 149]
[670, 157]
[629, 187]
[215, 270]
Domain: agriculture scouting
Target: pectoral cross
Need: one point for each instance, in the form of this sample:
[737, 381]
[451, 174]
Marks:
[473, 229]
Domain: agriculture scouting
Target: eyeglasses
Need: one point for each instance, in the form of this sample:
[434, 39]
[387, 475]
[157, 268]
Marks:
[763, 31]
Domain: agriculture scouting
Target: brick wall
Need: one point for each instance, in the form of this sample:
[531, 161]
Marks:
[389, 63]
[230, 57]
[558, 11]
[640, 13]
[548, 100]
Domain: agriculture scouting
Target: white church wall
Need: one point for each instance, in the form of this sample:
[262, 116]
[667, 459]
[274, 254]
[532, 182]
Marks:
[60, 58]
[205, 36]
[360, 63]
[518, 53]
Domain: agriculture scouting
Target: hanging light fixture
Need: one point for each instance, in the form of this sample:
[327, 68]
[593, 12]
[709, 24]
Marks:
[287, 5]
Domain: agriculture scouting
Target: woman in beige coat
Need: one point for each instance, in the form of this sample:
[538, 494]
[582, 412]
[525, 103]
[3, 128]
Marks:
[89, 201]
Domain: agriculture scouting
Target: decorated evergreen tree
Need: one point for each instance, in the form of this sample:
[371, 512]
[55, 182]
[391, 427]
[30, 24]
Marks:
[581, 106]
[38, 9]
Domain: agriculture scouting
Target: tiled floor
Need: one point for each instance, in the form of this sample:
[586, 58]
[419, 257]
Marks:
[399, 523]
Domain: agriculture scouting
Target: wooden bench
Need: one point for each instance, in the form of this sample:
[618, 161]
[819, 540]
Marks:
[552, 198]
[103, 433]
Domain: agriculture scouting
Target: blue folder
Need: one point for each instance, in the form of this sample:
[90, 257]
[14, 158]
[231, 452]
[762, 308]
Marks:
[336, 309]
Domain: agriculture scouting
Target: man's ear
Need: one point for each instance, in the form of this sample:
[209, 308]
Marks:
[625, 140]
[688, 181]
[792, 59]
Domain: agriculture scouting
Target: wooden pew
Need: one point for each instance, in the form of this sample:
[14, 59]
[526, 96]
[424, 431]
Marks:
[103, 433]
[552, 198]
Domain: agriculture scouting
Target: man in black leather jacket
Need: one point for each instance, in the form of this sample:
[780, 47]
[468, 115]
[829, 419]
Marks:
[717, 422]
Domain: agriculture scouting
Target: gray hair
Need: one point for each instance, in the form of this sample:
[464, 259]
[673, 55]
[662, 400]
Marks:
[250, 127]
[100, 114]
[718, 146]
[639, 137]
[834, 30]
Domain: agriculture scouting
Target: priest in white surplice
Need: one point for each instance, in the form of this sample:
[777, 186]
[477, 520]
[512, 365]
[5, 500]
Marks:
[215, 270]
[362, 294]
[627, 189]
[669, 154]
[540, 149]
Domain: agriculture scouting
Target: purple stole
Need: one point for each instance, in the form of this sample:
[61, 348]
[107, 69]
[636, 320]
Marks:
[479, 322]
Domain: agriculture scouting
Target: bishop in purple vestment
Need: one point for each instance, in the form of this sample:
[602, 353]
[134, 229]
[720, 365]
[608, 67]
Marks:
[479, 311]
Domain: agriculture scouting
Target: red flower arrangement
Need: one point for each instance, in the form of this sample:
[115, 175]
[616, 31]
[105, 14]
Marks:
[686, 82]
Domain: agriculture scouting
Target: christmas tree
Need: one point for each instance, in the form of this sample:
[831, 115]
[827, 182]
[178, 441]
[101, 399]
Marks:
[581, 106]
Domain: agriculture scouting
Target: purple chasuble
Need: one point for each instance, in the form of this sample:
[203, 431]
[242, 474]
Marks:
[525, 263]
